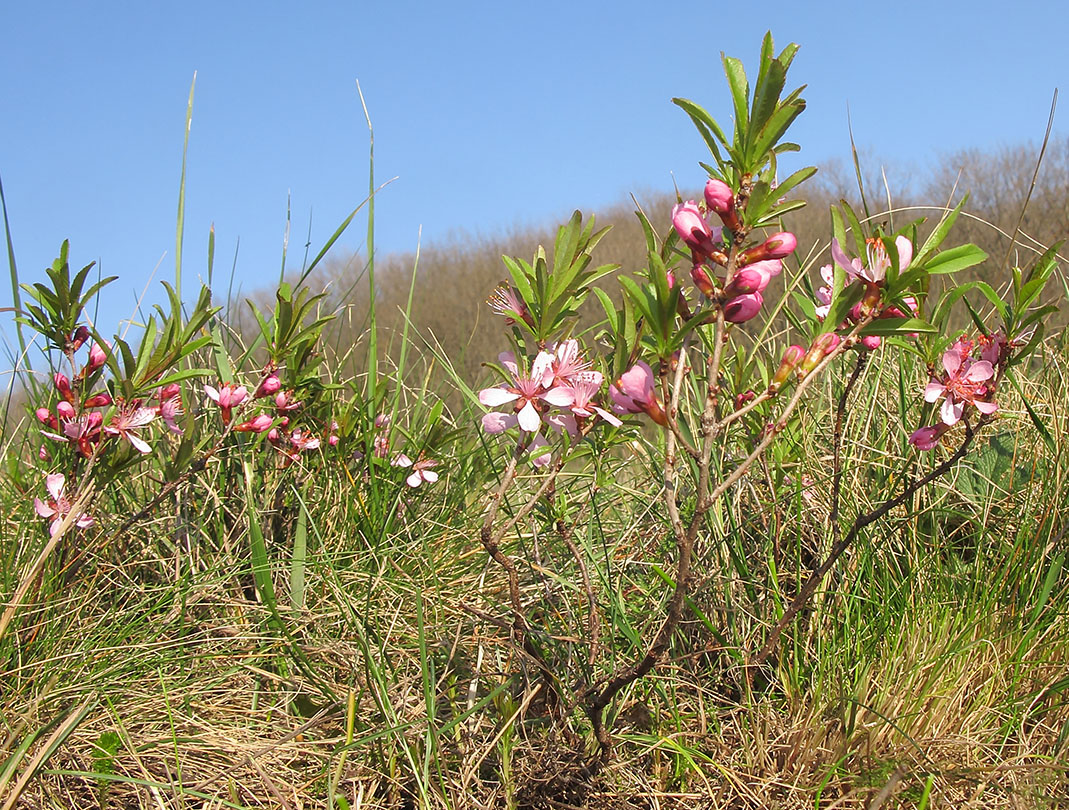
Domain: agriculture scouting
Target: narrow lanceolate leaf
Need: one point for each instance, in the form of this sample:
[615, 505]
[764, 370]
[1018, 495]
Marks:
[940, 233]
[955, 259]
[898, 326]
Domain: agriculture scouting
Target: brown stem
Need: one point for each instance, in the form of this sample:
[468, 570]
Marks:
[811, 584]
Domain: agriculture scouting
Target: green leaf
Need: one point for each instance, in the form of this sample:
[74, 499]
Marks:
[954, 259]
[935, 239]
[1036, 421]
[898, 326]
[740, 92]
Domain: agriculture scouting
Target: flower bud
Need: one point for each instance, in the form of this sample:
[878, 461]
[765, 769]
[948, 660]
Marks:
[63, 385]
[274, 436]
[93, 420]
[746, 281]
[382, 420]
[270, 384]
[80, 336]
[97, 357]
[692, 228]
[45, 417]
[743, 398]
[719, 196]
[332, 440]
[823, 346]
[256, 425]
[871, 342]
[98, 401]
[791, 358]
[703, 281]
[65, 410]
[743, 307]
[776, 246]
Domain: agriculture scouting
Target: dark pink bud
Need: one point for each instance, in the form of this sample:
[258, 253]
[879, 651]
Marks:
[45, 417]
[274, 436]
[743, 307]
[871, 342]
[94, 419]
[80, 336]
[779, 245]
[270, 385]
[97, 357]
[743, 398]
[703, 281]
[747, 280]
[333, 441]
[719, 196]
[63, 385]
[65, 410]
[169, 392]
[98, 401]
[257, 425]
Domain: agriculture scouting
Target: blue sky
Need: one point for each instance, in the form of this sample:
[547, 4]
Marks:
[489, 114]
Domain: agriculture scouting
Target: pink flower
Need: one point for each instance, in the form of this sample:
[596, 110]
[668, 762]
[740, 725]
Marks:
[421, 470]
[284, 402]
[636, 392]
[742, 308]
[963, 383]
[227, 396]
[98, 401]
[529, 394]
[82, 431]
[127, 421]
[583, 391]
[59, 506]
[506, 301]
[301, 442]
[927, 438]
[170, 407]
[567, 365]
[63, 385]
[878, 260]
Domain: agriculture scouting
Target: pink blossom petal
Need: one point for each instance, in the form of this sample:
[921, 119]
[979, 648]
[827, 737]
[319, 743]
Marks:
[493, 397]
[401, 461]
[430, 476]
[608, 417]
[42, 508]
[528, 418]
[496, 422]
[985, 407]
[139, 444]
[54, 484]
[415, 479]
[560, 396]
[933, 391]
[905, 252]
[951, 411]
[508, 360]
[952, 362]
[979, 371]
[212, 393]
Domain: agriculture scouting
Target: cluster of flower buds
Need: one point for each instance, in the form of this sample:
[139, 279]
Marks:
[873, 275]
[741, 297]
[560, 389]
[966, 382]
[76, 420]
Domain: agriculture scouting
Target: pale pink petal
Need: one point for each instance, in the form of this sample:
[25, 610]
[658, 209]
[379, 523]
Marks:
[212, 393]
[508, 360]
[430, 476]
[933, 391]
[979, 371]
[139, 444]
[401, 461]
[53, 528]
[608, 417]
[952, 362]
[84, 521]
[493, 397]
[905, 252]
[497, 422]
[560, 396]
[54, 484]
[985, 407]
[951, 411]
[42, 508]
[542, 368]
[528, 418]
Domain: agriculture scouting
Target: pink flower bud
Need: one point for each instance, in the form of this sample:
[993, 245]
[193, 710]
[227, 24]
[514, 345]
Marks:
[746, 281]
[43, 454]
[775, 247]
[80, 336]
[65, 410]
[702, 281]
[382, 420]
[274, 436]
[791, 358]
[98, 401]
[268, 386]
[823, 346]
[719, 196]
[97, 357]
[743, 307]
[333, 441]
[93, 420]
[743, 398]
[871, 342]
[63, 385]
[692, 228]
[256, 425]
[45, 417]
